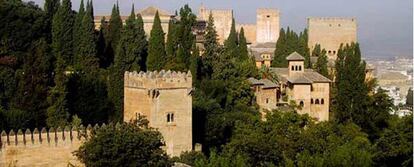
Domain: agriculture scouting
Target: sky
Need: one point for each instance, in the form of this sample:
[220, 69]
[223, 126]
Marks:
[385, 27]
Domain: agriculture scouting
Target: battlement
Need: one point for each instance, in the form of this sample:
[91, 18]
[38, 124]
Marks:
[153, 79]
[267, 10]
[53, 136]
[332, 19]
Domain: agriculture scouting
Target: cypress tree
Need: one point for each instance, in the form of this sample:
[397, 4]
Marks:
[185, 37]
[143, 43]
[114, 32]
[231, 43]
[62, 32]
[86, 59]
[171, 45]
[50, 8]
[244, 54]
[156, 52]
[210, 55]
[350, 83]
[321, 65]
[77, 26]
[280, 51]
[102, 44]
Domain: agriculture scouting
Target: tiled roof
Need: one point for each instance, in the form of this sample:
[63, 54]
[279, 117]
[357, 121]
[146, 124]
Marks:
[308, 76]
[151, 10]
[295, 56]
[265, 82]
[264, 45]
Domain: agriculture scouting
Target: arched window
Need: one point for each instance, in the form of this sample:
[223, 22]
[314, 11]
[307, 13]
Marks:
[329, 52]
[317, 101]
[300, 68]
[301, 104]
[293, 68]
[334, 52]
[322, 101]
[311, 101]
[296, 68]
[267, 100]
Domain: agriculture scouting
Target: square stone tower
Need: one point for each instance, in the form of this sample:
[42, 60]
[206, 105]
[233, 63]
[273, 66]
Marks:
[222, 20]
[166, 101]
[267, 25]
[330, 33]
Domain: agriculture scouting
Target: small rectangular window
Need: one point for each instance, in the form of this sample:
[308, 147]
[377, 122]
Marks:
[170, 117]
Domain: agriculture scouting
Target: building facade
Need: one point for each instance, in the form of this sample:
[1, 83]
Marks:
[165, 99]
[308, 89]
[330, 33]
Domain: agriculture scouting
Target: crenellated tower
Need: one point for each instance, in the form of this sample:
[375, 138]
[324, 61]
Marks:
[165, 99]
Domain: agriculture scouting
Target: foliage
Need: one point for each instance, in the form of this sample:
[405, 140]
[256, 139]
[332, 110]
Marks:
[321, 65]
[62, 33]
[128, 143]
[156, 50]
[289, 42]
[212, 49]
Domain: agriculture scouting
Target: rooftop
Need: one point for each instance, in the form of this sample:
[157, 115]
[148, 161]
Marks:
[265, 82]
[308, 76]
[294, 56]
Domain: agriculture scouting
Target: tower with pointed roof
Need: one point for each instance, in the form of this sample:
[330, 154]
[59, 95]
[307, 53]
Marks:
[165, 99]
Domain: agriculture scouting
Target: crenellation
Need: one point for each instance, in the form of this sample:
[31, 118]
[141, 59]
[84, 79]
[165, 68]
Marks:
[154, 79]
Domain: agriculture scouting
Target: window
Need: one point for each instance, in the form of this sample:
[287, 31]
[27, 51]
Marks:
[268, 16]
[300, 68]
[334, 52]
[170, 117]
[317, 101]
[311, 101]
[339, 25]
[296, 68]
[267, 100]
[322, 101]
[329, 52]
[301, 104]
[293, 68]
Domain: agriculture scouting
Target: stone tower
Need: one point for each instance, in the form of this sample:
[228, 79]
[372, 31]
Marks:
[267, 25]
[165, 99]
[222, 21]
[330, 33]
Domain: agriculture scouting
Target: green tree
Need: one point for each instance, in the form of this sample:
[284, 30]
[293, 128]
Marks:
[114, 33]
[62, 33]
[50, 7]
[33, 82]
[321, 65]
[244, 53]
[133, 143]
[86, 59]
[171, 45]
[156, 51]
[210, 55]
[231, 43]
[77, 33]
[395, 146]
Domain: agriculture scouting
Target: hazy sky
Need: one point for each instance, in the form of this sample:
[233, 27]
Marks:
[385, 27]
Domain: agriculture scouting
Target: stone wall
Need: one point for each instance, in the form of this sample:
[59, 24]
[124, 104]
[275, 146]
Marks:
[330, 32]
[267, 25]
[249, 31]
[222, 21]
[166, 101]
[53, 147]
[319, 93]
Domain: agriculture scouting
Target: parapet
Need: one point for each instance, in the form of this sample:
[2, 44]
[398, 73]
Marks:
[267, 10]
[155, 79]
[328, 19]
[51, 136]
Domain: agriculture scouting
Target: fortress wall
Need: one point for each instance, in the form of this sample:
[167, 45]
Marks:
[249, 31]
[330, 32]
[53, 147]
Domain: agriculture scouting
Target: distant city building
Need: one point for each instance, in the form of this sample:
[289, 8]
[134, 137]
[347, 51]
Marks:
[308, 89]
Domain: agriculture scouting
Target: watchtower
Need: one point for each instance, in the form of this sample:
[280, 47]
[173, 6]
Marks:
[267, 26]
[165, 99]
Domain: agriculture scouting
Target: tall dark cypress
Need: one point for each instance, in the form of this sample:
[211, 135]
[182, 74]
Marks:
[321, 65]
[185, 37]
[211, 46]
[352, 92]
[62, 32]
[77, 26]
[156, 53]
[115, 26]
[231, 43]
[143, 43]
[50, 7]
[86, 59]
[244, 53]
[171, 45]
